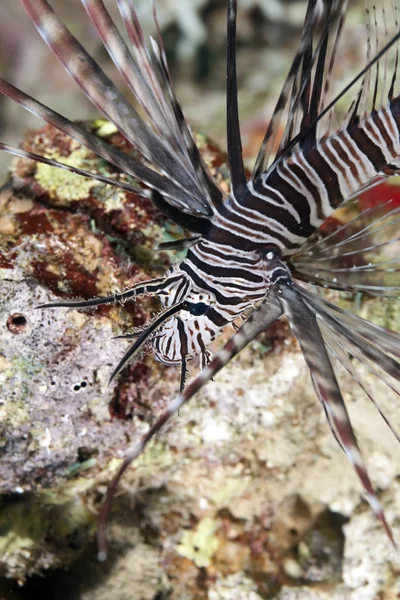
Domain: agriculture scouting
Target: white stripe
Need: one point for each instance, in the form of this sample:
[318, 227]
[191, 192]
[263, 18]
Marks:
[285, 205]
[351, 180]
[263, 237]
[344, 187]
[314, 220]
[376, 137]
[392, 129]
[365, 168]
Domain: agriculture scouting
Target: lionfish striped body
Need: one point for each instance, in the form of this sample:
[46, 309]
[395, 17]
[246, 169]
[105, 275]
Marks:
[279, 211]
[248, 249]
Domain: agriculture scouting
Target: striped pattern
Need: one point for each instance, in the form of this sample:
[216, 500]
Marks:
[227, 280]
[171, 160]
[304, 189]
[228, 271]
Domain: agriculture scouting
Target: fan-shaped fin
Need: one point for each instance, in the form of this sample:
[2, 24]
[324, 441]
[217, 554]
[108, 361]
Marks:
[304, 85]
[341, 352]
[386, 339]
[126, 163]
[358, 256]
[305, 327]
[158, 79]
[107, 98]
[301, 137]
[302, 92]
[153, 90]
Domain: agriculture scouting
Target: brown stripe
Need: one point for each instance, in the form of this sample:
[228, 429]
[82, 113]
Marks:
[378, 120]
[331, 155]
[326, 174]
[368, 147]
[346, 157]
[311, 188]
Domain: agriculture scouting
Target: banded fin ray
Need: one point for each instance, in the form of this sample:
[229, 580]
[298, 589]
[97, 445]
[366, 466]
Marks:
[376, 343]
[107, 98]
[341, 353]
[110, 101]
[70, 168]
[298, 91]
[179, 245]
[305, 327]
[310, 132]
[388, 340]
[153, 90]
[386, 369]
[176, 195]
[145, 336]
[234, 142]
[151, 287]
[358, 257]
[207, 183]
[316, 72]
[121, 56]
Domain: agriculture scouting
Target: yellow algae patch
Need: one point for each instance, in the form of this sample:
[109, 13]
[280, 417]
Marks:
[4, 364]
[63, 185]
[107, 284]
[386, 314]
[104, 128]
[201, 544]
[87, 251]
[20, 530]
[52, 268]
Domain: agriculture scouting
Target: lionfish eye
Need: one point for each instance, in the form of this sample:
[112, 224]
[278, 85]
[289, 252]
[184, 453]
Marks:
[196, 309]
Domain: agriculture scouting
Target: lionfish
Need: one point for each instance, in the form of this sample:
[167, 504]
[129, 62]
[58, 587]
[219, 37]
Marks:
[250, 252]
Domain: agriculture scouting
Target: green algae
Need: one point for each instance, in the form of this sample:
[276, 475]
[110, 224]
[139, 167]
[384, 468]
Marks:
[78, 467]
[22, 526]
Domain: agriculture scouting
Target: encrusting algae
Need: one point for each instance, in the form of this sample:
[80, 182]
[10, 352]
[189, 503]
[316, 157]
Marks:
[63, 186]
